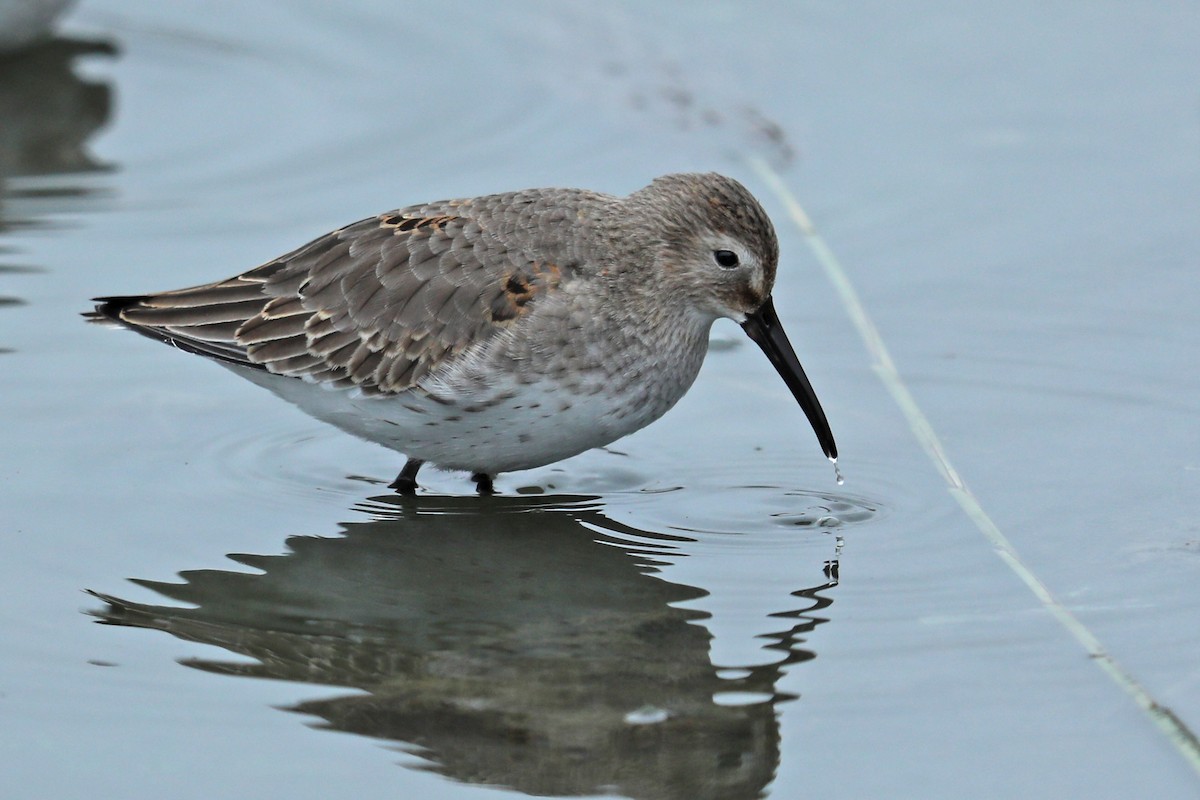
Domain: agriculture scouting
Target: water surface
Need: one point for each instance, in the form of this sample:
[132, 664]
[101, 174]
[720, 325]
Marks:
[699, 610]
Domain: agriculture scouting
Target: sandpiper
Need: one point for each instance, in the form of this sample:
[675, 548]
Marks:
[501, 332]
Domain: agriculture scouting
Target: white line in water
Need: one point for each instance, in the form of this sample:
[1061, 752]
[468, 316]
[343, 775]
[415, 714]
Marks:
[1176, 730]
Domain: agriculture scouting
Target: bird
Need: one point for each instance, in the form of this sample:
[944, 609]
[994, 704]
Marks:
[496, 333]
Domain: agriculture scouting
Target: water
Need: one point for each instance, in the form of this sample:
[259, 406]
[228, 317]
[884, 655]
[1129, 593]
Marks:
[700, 610]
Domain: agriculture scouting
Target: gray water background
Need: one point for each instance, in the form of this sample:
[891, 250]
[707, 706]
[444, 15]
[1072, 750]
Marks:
[699, 611]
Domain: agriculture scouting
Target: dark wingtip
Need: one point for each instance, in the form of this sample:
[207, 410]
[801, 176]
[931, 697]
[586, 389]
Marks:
[108, 309]
[109, 312]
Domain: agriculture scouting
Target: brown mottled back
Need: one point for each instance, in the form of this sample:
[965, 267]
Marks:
[381, 303]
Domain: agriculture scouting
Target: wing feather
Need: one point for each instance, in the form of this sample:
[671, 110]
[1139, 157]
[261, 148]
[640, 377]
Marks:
[379, 304]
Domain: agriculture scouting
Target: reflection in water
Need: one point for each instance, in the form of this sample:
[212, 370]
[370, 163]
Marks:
[25, 22]
[47, 114]
[528, 646]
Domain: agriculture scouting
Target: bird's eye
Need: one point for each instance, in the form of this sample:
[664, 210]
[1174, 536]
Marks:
[726, 259]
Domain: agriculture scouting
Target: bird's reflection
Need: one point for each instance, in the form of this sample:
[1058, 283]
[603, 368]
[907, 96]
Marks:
[509, 641]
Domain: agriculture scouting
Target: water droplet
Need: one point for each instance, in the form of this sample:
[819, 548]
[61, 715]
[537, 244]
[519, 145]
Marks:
[837, 473]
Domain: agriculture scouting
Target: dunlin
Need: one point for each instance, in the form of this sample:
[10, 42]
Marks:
[496, 333]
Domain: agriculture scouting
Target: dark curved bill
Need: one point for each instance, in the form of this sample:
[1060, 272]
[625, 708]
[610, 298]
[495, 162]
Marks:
[763, 327]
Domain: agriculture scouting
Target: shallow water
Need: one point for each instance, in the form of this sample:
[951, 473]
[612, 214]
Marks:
[699, 610]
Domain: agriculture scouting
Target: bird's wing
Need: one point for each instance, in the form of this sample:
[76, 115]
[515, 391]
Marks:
[378, 304]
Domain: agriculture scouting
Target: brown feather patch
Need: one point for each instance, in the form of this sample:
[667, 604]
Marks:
[519, 287]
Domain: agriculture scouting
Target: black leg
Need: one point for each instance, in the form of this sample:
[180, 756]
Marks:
[406, 481]
[483, 483]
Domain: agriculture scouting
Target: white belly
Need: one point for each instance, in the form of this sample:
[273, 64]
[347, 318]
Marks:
[535, 424]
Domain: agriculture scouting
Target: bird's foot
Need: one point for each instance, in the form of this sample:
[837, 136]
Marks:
[483, 483]
[406, 481]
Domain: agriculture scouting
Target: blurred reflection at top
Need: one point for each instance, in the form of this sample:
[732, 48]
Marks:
[24, 23]
[47, 115]
[519, 642]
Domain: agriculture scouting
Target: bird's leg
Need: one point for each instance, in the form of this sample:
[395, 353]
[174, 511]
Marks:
[406, 481]
[483, 483]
